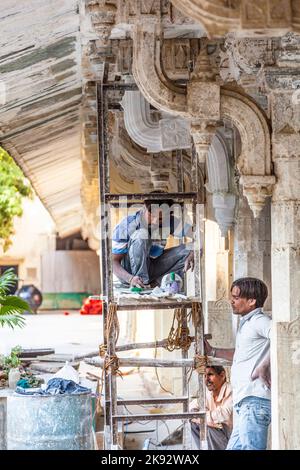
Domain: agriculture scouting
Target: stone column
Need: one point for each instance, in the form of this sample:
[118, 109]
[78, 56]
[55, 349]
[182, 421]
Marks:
[252, 245]
[285, 217]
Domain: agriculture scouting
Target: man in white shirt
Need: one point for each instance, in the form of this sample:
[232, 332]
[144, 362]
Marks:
[218, 410]
[250, 373]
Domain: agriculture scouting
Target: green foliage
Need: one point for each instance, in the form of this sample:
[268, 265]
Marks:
[11, 307]
[12, 360]
[13, 187]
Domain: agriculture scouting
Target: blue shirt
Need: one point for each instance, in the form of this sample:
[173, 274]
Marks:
[131, 223]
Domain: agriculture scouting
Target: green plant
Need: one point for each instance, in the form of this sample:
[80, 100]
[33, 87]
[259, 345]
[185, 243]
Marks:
[12, 360]
[13, 188]
[11, 306]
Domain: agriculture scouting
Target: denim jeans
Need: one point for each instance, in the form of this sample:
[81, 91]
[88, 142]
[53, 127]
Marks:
[138, 262]
[250, 425]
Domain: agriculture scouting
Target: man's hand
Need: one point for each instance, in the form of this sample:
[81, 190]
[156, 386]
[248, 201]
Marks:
[263, 372]
[189, 262]
[136, 281]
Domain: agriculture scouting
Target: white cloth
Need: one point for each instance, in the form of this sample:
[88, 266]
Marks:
[252, 345]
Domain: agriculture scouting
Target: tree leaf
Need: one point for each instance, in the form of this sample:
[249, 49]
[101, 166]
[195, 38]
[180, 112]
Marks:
[13, 301]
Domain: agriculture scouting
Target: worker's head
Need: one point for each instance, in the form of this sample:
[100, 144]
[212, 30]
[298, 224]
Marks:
[247, 294]
[156, 210]
[215, 377]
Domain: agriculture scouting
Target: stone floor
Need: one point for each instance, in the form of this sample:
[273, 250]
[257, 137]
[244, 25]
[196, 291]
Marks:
[81, 334]
[73, 333]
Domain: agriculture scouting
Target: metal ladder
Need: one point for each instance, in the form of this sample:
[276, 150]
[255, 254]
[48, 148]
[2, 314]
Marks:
[106, 101]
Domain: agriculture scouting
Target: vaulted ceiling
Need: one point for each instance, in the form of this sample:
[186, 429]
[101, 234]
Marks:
[40, 77]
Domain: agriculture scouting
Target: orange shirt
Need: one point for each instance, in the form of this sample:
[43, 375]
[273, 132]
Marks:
[218, 410]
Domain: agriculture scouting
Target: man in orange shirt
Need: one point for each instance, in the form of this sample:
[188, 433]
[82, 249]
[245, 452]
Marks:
[218, 410]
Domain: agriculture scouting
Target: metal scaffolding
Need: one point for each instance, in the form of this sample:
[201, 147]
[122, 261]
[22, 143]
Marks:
[108, 97]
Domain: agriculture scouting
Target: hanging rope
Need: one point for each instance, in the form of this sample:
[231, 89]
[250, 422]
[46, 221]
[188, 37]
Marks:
[112, 321]
[111, 361]
[196, 314]
[102, 350]
[200, 363]
[178, 337]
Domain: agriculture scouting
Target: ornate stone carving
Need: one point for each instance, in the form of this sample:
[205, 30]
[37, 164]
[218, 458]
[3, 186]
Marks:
[164, 95]
[204, 104]
[254, 162]
[174, 134]
[257, 189]
[286, 113]
[218, 184]
[169, 133]
[220, 323]
[224, 206]
[245, 56]
[255, 157]
[289, 55]
[286, 360]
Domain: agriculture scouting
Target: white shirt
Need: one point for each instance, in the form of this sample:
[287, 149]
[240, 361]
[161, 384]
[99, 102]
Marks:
[219, 409]
[252, 345]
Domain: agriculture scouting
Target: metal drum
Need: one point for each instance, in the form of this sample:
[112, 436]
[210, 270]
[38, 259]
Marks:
[57, 422]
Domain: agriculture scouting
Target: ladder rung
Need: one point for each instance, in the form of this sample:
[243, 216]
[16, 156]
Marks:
[150, 401]
[148, 362]
[137, 304]
[142, 196]
[144, 362]
[158, 416]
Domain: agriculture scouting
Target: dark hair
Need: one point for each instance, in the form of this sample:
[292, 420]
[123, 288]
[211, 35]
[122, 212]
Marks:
[157, 203]
[218, 369]
[252, 288]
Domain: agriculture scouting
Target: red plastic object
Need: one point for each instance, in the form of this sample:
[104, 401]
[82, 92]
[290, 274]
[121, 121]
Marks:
[92, 306]
[66, 313]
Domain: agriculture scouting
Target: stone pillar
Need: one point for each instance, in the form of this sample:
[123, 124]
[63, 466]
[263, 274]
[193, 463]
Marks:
[252, 245]
[285, 217]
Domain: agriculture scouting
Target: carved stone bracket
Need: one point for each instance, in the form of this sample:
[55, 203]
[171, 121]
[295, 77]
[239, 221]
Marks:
[224, 206]
[156, 88]
[218, 169]
[169, 133]
[256, 189]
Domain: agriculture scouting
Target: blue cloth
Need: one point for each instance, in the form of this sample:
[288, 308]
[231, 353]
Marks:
[250, 425]
[56, 386]
[125, 229]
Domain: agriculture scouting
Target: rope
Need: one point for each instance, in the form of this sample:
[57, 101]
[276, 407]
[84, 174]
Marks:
[112, 322]
[200, 364]
[196, 314]
[111, 361]
[102, 350]
[178, 337]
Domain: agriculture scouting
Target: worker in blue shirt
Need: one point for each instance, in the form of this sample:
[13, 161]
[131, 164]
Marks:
[139, 260]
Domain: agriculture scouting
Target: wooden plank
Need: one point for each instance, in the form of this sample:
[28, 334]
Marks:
[148, 362]
[50, 367]
[143, 303]
[144, 362]
[28, 353]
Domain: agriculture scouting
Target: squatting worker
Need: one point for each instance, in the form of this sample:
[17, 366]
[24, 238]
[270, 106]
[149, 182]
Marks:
[138, 259]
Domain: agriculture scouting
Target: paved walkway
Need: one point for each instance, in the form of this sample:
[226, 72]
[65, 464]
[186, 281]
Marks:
[73, 333]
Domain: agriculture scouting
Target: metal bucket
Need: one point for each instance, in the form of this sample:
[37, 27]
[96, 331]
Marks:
[58, 422]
